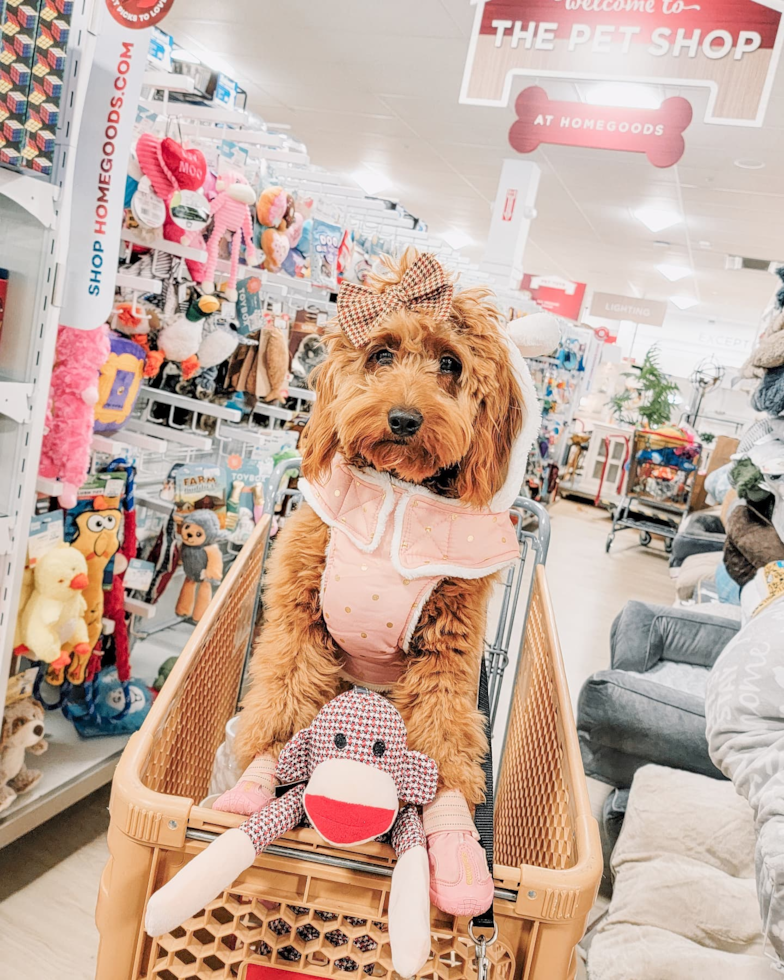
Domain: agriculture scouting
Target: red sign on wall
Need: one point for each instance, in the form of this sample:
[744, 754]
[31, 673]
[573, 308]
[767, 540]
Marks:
[656, 132]
[138, 14]
[730, 47]
[559, 296]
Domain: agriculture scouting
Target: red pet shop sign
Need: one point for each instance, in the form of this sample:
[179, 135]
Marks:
[658, 133]
[730, 47]
[558, 296]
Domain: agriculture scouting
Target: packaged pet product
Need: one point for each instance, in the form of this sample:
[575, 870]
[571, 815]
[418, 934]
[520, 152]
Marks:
[200, 486]
[324, 245]
[245, 481]
[118, 384]
[19, 24]
[47, 83]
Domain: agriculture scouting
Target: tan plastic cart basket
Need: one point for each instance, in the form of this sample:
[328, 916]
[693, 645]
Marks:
[307, 907]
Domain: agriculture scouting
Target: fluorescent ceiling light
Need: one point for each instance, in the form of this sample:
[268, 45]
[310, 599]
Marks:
[180, 54]
[684, 302]
[369, 181]
[456, 239]
[656, 219]
[625, 94]
[674, 272]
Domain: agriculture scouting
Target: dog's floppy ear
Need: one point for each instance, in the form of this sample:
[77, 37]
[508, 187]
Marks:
[319, 439]
[294, 761]
[420, 779]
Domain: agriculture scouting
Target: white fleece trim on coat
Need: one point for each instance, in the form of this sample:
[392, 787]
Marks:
[518, 457]
[386, 508]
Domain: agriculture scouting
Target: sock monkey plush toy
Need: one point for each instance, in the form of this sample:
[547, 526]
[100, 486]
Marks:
[346, 773]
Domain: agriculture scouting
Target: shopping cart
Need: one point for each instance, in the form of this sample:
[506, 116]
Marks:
[661, 483]
[313, 909]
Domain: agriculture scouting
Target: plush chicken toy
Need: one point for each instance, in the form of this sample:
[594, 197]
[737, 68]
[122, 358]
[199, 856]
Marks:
[346, 774]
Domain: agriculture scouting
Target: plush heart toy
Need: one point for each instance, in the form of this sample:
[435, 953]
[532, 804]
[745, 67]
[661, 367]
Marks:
[187, 168]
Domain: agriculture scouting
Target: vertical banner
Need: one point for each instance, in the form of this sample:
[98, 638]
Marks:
[102, 152]
[511, 221]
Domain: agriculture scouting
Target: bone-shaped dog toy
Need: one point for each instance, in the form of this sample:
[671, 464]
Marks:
[658, 133]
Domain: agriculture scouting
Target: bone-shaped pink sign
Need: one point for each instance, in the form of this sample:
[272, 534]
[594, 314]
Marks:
[658, 133]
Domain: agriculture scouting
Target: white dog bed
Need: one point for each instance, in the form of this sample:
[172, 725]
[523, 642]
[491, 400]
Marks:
[684, 904]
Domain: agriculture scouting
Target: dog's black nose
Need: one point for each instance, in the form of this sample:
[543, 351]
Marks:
[38, 731]
[404, 422]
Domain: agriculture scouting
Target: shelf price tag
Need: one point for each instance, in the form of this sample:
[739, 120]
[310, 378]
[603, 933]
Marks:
[139, 575]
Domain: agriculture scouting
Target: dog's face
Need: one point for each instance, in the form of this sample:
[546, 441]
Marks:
[431, 402]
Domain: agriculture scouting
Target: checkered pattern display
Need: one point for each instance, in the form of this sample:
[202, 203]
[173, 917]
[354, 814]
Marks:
[425, 286]
[364, 722]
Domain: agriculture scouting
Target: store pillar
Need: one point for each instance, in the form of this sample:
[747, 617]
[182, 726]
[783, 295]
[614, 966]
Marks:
[513, 212]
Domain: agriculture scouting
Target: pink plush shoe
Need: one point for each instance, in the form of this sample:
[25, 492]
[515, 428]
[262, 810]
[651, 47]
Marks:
[246, 798]
[460, 882]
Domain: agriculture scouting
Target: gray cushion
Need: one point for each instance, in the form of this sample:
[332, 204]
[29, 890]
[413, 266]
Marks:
[625, 720]
[643, 634]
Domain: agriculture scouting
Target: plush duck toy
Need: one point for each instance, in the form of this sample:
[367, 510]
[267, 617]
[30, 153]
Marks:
[346, 774]
[54, 614]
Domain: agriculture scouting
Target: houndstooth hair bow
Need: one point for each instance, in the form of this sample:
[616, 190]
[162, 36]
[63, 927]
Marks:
[424, 286]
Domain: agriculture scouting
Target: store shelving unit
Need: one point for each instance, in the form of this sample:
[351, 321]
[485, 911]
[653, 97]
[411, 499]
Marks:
[35, 216]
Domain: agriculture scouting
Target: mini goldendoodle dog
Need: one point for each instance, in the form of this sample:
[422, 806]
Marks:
[414, 453]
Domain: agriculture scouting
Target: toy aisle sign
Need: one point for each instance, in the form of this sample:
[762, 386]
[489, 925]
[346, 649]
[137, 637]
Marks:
[102, 158]
[658, 133]
[610, 306]
[730, 47]
[559, 296]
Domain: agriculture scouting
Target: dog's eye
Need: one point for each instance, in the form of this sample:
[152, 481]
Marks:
[379, 748]
[340, 741]
[450, 365]
[383, 356]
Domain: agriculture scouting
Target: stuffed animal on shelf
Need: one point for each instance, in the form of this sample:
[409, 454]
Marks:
[112, 707]
[118, 384]
[22, 731]
[230, 212]
[178, 340]
[350, 769]
[65, 451]
[98, 540]
[202, 562]
[53, 616]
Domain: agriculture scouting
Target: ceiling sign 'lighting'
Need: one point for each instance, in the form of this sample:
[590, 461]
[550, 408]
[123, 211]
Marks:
[657, 219]
[732, 49]
[675, 272]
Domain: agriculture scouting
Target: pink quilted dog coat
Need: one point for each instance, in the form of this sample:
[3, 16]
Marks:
[391, 543]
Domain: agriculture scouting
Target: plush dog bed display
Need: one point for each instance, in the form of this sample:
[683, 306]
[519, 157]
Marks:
[684, 905]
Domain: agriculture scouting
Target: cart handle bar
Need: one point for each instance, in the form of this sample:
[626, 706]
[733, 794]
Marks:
[349, 864]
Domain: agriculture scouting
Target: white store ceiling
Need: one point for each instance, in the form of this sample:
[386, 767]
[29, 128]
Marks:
[373, 85]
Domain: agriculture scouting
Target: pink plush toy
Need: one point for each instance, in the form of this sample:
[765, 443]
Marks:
[230, 209]
[65, 454]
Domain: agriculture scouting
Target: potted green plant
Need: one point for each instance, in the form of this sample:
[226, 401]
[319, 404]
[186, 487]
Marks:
[649, 399]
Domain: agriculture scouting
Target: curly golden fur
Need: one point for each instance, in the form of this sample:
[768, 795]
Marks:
[457, 375]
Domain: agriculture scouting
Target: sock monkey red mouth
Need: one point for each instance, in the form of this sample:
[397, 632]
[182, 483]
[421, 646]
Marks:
[344, 823]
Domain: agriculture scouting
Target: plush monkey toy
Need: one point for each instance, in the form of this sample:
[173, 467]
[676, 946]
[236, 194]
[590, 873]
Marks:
[346, 774]
[201, 561]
